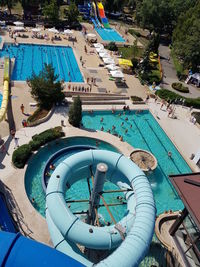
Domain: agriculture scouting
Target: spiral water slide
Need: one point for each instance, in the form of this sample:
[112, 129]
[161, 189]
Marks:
[102, 15]
[6, 79]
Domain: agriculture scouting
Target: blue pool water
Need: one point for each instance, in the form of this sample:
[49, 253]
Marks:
[109, 35]
[79, 190]
[1, 98]
[146, 134]
[31, 58]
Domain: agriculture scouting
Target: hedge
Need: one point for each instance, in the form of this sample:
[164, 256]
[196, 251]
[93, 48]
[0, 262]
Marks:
[136, 98]
[169, 95]
[180, 87]
[22, 154]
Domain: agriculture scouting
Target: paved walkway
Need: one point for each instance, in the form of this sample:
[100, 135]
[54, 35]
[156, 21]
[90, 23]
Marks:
[169, 72]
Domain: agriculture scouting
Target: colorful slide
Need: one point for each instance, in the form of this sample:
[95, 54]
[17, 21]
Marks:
[98, 24]
[102, 15]
[4, 104]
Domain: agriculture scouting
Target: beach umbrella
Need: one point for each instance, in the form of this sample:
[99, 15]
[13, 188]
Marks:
[104, 55]
[117, 74]
[98, 45]
[68, 31]
[112, 67]
[108, 61]
[18, 23]
[36, 30]
[53, 30]
[19, 29]
[91, 35]
[125, 62]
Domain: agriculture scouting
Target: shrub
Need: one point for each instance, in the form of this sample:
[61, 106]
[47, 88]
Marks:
[180, 87]
[112, 46]
[133, 32]
[21, 155]
[136, 99]
[169, 95]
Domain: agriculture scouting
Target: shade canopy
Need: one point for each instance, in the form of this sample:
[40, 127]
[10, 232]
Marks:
[112, 67]
[108, 61]
[98, 45]
[117, 74]
[125, 62]
[68, 31]
[18, 23]
[36, 30]
[19, 29]
[53, 30]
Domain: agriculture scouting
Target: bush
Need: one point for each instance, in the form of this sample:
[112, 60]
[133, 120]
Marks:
[136, 99]
[21, 155]
[112, 46]
[180, 87]
[133, 32]
[169, 95]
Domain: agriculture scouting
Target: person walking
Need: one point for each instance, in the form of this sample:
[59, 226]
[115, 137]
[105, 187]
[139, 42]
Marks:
[22, 108]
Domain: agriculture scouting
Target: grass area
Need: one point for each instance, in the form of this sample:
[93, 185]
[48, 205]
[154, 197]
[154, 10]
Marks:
[180, 71]
[127, 52]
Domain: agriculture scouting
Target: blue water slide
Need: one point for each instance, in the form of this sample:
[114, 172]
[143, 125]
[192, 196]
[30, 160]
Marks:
[18, 251]
[6, 221]
[138, 223]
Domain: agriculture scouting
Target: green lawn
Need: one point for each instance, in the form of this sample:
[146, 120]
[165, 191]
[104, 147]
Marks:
[127, 52]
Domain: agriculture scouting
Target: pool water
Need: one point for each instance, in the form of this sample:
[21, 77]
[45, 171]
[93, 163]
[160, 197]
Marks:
[31, 58]
[144, 132]
[79, 190]
[109, 35]
[1, 98]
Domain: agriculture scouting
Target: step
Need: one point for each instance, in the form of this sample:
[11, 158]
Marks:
[102, 98]
[103, 103]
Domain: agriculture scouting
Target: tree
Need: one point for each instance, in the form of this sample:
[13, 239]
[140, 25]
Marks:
[72, 13]
[186, 38]
[8, 3]
[51, 11]
[75, 112]
[45, 88]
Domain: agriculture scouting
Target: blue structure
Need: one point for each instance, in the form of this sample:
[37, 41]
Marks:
[18, 251]
[67, 230]
[6, 221]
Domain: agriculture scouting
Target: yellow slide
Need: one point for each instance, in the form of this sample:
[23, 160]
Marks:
[4, 103]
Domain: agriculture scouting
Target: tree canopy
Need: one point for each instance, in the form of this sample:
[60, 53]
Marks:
[45, 88]
[186, 38]
[75, 112]
[72, 13]
[51, 11]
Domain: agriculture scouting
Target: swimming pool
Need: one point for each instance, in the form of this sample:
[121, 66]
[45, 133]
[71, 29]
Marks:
[79, 190]
[31, 58]
[1, 98]
[144, 132]
[109, 35]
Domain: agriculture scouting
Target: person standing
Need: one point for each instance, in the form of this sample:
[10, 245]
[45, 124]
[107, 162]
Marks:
[22, 108]
[16, 142]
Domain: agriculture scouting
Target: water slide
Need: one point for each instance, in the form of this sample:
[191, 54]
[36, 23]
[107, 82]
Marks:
[6, 79]
[102, 15]
[98, 24]
[137, 226]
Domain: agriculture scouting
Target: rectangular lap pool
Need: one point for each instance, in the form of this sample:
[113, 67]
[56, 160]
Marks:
[109, 35]
[144, 132]
[31, 58]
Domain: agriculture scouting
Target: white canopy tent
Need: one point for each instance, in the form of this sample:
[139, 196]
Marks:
[19, 29]
[98, 45]
[68, 31]
[117, 74]
[18, 23]
[53, 30]
[105, 55]
[112, 67]
[108, 61]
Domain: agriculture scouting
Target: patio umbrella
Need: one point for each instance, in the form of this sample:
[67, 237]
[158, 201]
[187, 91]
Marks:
[53, 30]
[108, 61]
[68, 31]
[18, 23]
[101, 50]
[98, 45]
[104, 55]
[125, 62]
[117, 74]
[91, 35]
[112, 67]
[36, 30]
[19, 29]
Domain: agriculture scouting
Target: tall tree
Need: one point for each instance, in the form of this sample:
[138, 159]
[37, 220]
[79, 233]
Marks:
[51, 11]
[45, 88]
[75, 112]
[186, 38]
[72, 13]
[8, 3]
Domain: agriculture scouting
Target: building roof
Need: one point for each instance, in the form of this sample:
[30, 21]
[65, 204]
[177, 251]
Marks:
[188, 188]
